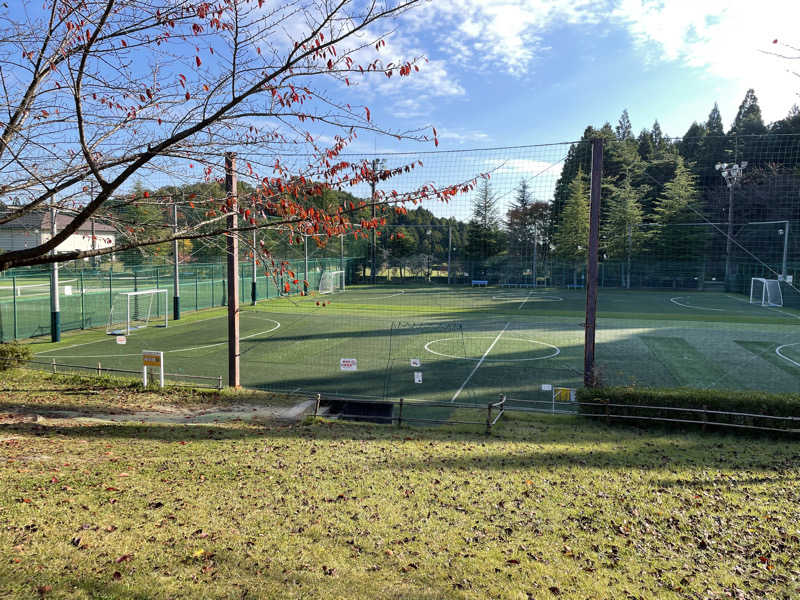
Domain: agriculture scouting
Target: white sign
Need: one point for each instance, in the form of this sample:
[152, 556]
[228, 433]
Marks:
[152, 358]
[121, 339]
[546, 387]
[415, 362]
[348, 364]
[417, 376]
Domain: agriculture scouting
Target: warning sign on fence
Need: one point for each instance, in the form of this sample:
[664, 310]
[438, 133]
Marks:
[348, 364]
[417, 376]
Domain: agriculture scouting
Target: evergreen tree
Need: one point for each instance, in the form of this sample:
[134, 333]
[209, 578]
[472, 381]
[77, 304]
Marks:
[518, 222]
[624, 130]
[645, 145]
[621, 232]
[748, 119]
[572, 236]
[678, 205]
[689, 146]
[484, 238]
[714, 126]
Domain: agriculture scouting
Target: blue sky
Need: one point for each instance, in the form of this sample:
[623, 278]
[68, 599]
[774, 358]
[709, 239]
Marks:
[511, 72]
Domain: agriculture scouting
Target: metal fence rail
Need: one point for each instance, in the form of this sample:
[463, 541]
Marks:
[100, 371]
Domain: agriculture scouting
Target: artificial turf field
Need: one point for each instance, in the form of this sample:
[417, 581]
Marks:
[472, 343]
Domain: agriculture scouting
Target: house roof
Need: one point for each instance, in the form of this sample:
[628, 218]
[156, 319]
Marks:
[39, 220]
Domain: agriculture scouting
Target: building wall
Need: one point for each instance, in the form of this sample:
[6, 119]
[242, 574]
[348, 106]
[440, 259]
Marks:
[16, 239]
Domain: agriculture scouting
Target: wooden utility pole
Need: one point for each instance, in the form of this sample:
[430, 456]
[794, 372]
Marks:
[233, 271]
[589, 374]
[176, 284]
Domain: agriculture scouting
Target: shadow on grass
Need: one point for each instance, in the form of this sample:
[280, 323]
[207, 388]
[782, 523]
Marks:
[527, 443]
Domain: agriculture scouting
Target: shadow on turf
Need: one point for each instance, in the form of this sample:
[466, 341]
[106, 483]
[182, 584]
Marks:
[551, 443]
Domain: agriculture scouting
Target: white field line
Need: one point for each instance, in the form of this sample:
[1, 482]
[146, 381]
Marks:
[480, 362]
[783, 356]
[384, 296]
[769, 307]
[783, 312]
[106, 338]
[676, 298]
[524, 301]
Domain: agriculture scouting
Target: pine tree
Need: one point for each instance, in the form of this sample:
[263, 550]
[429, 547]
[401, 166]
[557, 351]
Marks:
[675, 240]
[714, 124]
[518, 222]
[572, 236]
[748, 119]
[645, 145]
[621, 232]
[624, 130]
[484, 238]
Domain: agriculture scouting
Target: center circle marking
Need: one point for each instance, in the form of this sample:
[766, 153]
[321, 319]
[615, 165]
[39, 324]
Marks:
[556, 349]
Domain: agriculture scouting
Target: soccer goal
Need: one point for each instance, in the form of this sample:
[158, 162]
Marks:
[331, 281]
[766, 292]
[135, 310]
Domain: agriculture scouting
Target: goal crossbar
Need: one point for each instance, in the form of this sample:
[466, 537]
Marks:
[137, 312]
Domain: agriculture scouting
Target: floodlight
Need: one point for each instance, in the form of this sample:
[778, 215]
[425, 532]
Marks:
[718, 166]
[744, 164]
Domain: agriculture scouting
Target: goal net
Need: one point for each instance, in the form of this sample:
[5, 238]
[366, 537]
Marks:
[135, 310]
[331, 281]
[766, 292]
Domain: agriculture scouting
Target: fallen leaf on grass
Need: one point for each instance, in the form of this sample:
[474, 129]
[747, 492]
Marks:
[124, 557]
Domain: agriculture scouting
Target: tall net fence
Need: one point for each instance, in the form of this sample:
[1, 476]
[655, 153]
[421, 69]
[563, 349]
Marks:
[87, 296]
[492, 281]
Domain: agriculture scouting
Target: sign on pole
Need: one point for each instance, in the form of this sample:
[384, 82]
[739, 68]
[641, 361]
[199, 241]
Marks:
[152, 358]
[348, 364]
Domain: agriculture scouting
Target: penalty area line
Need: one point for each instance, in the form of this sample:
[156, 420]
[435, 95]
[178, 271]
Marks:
[523, 302]
[480, 362]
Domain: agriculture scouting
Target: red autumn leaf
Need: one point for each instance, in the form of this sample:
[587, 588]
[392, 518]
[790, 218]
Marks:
[188, 95]
[291, 274]
[198, 61]
[286, 287]
[147, 194]
[295, 281]
[366, 109]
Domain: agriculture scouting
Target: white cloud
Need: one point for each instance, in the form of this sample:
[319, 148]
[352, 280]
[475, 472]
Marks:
[725, 38]
[502, 34]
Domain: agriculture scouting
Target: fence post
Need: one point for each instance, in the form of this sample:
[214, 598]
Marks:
[99, 368]
[212, 286]
[489, 418]
[83, 307]
[219, 382]
[316, 405]
[196, 293]
[54, 365]
[14, 308]
[705, 416]
[400, 414]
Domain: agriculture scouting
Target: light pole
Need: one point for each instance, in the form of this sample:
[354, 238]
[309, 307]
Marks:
[430, 253]
[732, 174]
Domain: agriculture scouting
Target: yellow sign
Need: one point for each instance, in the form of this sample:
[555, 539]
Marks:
[152, 359]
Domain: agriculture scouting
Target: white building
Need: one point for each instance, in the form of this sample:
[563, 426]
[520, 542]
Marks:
[33, 229]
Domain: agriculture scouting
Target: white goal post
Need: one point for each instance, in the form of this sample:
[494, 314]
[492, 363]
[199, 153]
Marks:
[133, 310]
[331, 281]
[766, 292]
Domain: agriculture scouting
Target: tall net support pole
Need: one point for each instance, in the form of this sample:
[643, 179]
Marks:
[176, 287]
[232, 243]
[589, 375]
[55, 309]
[449, 248]
[253, 285]
[784, 271]
[305, 265]
[372, 247]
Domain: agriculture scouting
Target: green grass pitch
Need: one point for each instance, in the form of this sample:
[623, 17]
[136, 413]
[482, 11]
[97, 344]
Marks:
[472, 344]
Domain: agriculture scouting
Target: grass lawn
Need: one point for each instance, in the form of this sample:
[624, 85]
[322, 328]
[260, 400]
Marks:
[544, 508]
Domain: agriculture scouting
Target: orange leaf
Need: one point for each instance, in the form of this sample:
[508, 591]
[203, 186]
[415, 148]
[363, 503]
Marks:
[285, 287]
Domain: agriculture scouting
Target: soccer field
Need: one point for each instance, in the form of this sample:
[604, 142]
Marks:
[471, 344]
